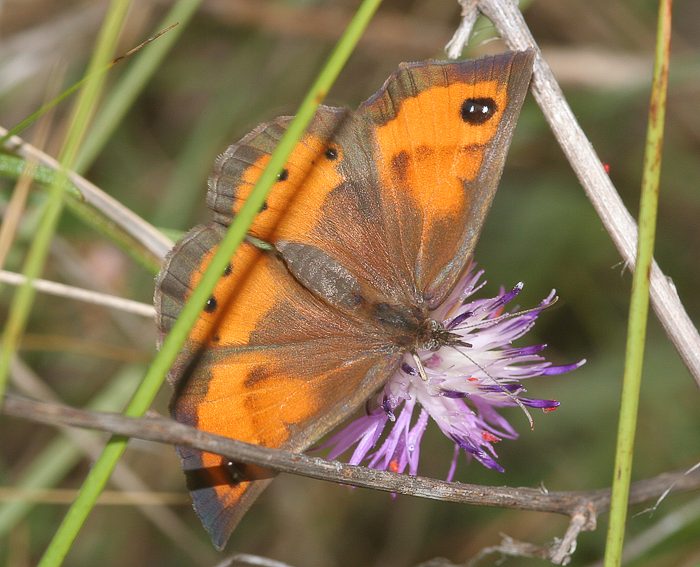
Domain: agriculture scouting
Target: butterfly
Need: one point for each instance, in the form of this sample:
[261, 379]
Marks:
[369, 225]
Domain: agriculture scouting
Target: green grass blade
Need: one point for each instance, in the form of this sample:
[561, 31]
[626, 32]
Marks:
[153, 380]
[120, 100]
[24, 296]
[115, 234]
[639, 303]
[11, 167]
[94, 72]
[209, 135]
[34, 116]
[130, 86]
[109, 116]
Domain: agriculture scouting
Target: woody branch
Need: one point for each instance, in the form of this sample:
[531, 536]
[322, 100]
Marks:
[615, 217]
[161, 430]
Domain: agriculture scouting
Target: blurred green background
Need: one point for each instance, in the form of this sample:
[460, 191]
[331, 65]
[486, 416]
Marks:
[241, 62]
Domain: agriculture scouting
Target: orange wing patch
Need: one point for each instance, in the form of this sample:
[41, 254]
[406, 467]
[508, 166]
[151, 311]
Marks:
[248, 307]
[433, 145]
[429, 147]
[246, 382]
[296, 200]
[441, 132]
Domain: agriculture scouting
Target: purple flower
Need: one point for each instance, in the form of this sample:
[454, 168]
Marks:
[461, 387]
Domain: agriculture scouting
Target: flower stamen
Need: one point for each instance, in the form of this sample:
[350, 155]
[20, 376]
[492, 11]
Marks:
[501, 387]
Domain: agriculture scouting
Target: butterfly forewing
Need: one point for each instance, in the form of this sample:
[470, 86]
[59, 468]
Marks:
[441, 133]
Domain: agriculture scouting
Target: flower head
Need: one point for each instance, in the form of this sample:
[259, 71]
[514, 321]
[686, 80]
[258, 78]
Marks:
[460, 386]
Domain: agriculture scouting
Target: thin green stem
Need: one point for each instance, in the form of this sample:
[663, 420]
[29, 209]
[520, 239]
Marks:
[34, 116]
[11, 167]
[95, 71]
[155, 376]
[135, 78]
[33, 266]
[639, 303]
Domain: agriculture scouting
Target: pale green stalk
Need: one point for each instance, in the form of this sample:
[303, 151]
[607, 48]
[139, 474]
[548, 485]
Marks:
[103, 467]
[12, 167]
[21, 304]
[135, 78]
[639, 303]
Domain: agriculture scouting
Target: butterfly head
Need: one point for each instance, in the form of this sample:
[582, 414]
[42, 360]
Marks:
[432, 335]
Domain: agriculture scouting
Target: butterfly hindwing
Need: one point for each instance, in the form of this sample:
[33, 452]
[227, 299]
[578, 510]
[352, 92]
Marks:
[267, 363]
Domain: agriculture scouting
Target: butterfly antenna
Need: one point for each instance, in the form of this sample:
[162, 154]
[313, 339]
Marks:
[490, 322]
[500, 387]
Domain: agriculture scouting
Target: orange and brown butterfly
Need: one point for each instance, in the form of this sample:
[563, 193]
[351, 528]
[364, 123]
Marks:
[369, 226]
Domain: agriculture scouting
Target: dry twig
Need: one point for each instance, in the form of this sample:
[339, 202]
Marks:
[80, 294]
[617, 220]
[125, 479]
[582, 507]
[151, 238]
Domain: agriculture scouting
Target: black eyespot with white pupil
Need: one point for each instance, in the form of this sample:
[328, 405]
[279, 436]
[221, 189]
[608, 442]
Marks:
[478, 110]
[235, 471]
[210, 305]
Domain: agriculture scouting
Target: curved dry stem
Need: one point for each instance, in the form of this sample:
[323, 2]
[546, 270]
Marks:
[616, 219]
[80, 294]
[575, 504]
[143, 232]
[125, 478]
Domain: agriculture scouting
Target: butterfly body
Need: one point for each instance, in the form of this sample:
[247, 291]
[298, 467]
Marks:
[370, 224]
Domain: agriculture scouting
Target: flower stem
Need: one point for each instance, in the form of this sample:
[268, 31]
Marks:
[639, 303]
